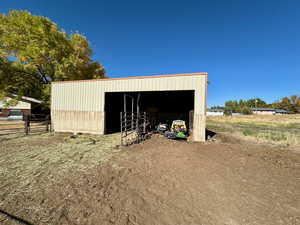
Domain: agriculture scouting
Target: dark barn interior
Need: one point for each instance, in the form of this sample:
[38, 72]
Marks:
[160, 106]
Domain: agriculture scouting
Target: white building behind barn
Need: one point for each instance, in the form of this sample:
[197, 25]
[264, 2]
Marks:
[215, 112]
[18, 110]
[94, 106]
[263, 111]
[268, 111]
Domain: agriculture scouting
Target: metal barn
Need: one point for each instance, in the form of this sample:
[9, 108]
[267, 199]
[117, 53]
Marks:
[94, 106]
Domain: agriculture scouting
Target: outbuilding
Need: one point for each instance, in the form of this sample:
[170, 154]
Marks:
[281, 111]
[215, 112]
[263, 111]
[269, 111]
[19, 109]
[94, 106]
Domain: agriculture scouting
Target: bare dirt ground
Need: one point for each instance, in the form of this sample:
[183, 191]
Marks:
[160, 181]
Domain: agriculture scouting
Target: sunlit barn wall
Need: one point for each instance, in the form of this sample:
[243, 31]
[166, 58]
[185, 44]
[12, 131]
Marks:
[78, 106]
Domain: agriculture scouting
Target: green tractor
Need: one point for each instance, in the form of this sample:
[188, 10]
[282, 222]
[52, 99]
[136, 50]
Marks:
[178, 130]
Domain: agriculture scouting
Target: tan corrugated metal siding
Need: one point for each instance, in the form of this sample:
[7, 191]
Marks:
[89, 96]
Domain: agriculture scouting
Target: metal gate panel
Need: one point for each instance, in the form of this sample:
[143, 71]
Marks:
[133, 127]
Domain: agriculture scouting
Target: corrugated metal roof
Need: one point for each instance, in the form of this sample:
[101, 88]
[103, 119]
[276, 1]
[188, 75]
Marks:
[281, 111]
[28, 99]
[263, 109]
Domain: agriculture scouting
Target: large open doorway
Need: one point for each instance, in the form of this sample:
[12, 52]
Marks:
[160, 106]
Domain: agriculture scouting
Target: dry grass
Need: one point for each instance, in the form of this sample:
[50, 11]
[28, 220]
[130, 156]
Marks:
[276, 129]
[23, 158]
[31, 164]
[260, 119]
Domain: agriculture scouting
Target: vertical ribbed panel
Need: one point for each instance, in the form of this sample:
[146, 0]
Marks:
[89, 95]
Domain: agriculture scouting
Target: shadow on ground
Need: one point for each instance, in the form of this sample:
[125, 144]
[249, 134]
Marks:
[15, 218]
[209, 134]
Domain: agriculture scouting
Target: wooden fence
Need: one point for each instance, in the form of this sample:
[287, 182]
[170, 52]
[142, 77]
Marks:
[31, 124]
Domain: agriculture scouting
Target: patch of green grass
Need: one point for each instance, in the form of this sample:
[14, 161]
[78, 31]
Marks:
[249, 132]
[273, 136]
[216, 128]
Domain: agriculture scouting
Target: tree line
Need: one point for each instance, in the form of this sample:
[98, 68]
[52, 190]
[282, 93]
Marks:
[290, 104]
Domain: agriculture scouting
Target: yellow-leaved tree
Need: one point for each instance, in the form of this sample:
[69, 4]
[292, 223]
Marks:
[34, 52]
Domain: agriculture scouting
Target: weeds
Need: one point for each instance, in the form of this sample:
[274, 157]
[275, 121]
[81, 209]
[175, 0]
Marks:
[276, 129]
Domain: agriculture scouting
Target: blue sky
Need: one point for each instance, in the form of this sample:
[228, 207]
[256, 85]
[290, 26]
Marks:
[250, 48]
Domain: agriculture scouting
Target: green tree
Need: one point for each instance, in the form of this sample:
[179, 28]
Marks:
[245, 110]
[231, 107]
[243, 106]
[256, 102]
[291, 104]
[34, 52]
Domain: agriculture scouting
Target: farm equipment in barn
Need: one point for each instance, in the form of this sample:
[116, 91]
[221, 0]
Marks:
[162, 128]
[178, 130]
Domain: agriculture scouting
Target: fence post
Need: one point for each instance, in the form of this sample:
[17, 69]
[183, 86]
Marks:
[137, 125]
[132, 115]
[47, 123]
[191, 122]
[50, 125]
[121, 128]
[27, 124]
[125, 123]
[145, 123]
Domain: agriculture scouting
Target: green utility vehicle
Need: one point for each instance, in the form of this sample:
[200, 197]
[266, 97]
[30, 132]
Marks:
[178, 130]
